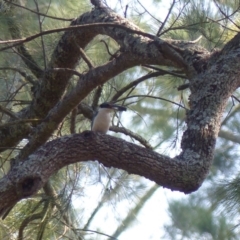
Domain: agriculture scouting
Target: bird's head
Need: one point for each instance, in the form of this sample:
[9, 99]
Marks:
[113, 106]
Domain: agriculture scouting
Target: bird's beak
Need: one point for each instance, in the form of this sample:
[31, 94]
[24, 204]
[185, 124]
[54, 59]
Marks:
[119, 108]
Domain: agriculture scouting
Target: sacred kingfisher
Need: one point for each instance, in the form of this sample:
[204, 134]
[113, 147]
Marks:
[102, 118]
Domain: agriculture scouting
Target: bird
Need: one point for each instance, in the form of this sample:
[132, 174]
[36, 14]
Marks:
[102, 118]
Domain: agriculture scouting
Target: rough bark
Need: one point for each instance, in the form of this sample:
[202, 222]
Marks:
[27, 177]
[212, 80]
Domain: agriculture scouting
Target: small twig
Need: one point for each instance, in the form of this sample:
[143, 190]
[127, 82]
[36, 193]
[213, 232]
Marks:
[166, 18]
[229, 116]
[85, 110]
[177, 17]
[42, 42]
[97, 233]
[135, 83]
[183, 86]
[86, 58]
[149, 12]
[20, 102]
[16, 92]
[22, 51]
[181, 27]
[41, 14]
[223, 26]
[73, 121]
[96, 97]
[230, 110]
[48, 7]
[12, 148]
[24, 74]
[165, 71]
[125, 12]
[131, 90]
[18, 122]
[112, 55]
[8, 112]
[154, 97]
[235, 98]
[31, 218]
[131, 134]
[174, 143]
[13, 100]
[225, 15]
[68, 70]
[196, 40]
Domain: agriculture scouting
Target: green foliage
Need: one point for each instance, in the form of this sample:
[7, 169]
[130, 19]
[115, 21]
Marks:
[194, 218]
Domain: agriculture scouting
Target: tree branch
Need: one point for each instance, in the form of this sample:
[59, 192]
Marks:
[229, 136]
[27, 177]
[22, 50]
[38, 13]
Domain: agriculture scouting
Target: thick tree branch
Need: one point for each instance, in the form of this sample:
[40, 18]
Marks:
[27, 177]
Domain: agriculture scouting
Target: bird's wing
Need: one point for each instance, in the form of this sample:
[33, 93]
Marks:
[94, 115]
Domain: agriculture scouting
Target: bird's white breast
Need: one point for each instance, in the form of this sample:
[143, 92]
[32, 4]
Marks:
[102, 121]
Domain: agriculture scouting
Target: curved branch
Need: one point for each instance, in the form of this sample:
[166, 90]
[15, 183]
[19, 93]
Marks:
[135, 83]
[27, 177]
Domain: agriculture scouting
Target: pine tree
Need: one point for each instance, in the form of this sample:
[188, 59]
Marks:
[177, 73]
